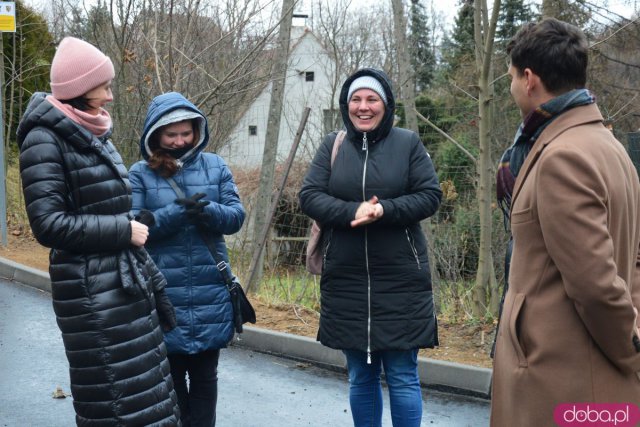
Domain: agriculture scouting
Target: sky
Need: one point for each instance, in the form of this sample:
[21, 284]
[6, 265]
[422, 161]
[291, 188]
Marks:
[624, 8]
[442, 5]
[447, 8]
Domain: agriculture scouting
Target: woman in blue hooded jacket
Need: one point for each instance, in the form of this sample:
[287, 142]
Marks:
[174, 137]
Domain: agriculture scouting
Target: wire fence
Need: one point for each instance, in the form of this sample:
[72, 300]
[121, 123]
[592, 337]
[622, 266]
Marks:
[453, 232]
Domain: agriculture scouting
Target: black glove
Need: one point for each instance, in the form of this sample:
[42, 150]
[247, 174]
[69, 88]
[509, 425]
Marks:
[146, 217]
[192, 201]
[195, 208]
[197, 217]
[166, 312]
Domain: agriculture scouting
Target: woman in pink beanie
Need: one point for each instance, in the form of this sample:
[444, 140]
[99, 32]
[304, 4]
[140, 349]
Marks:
[108, 295]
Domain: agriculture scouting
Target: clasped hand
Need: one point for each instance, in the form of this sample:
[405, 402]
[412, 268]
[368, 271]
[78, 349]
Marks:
[139, 233]
[368, 212]
[194, 207]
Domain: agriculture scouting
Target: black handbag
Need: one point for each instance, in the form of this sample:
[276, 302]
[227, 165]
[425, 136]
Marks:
[243, 311]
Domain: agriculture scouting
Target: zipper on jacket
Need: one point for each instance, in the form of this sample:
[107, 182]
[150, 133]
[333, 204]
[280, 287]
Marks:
[413, 247]
[366, 256]
[326, 248]
[192, 332]
[365, 148]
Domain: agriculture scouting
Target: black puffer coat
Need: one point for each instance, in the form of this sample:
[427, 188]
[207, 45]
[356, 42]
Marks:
[376, 285]
[78, 198]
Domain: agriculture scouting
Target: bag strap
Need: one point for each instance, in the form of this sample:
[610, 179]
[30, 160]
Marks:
[176, 188]
[336, 145]
[221, 264]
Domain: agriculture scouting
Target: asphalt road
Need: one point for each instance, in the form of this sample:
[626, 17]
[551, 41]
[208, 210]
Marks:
[255, 390]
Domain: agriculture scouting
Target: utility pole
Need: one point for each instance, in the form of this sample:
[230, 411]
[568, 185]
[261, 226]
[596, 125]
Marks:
[251, 283]
[267, 171]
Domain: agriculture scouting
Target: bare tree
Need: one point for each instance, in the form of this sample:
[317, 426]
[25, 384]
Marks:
[346, 31]
[330, 21]
[406, 73]
[484, 34]
[215, 53]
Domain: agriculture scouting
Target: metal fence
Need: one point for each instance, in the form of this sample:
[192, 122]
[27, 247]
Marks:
[453, 238]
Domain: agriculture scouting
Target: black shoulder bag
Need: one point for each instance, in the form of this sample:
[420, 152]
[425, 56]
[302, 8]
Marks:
[243, 311]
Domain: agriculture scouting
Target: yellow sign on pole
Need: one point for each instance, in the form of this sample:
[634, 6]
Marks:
[8, 16]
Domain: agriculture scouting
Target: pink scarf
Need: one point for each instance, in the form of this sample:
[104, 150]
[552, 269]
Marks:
[96, 124]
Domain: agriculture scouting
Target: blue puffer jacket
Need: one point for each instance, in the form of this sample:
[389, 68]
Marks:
[195, 287]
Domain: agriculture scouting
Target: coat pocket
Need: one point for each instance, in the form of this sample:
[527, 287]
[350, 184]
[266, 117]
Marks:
[518, 303]
[327, 244]
[412, 247]
[522, 216]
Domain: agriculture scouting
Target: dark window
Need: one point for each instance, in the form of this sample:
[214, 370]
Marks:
[308, 76]
[253, 130]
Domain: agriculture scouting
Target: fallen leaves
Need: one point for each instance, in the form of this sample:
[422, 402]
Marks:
[59, 393]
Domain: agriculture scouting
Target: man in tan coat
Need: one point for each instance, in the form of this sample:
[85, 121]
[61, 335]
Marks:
[569, 326]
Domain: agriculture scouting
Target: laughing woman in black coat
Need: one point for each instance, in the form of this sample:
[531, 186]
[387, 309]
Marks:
[105, 288]
[376, 296]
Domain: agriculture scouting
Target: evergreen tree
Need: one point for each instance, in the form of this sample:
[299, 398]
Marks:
[27, 59]
[575, 12]
[513, 14]
[420, 46]
[459, 49]
[98, 24]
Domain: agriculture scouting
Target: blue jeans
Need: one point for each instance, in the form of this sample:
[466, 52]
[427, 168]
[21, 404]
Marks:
[365, 390]
[197, 399]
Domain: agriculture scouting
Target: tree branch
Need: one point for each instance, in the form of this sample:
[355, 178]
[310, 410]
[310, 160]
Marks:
[446, 135]
[615, 32]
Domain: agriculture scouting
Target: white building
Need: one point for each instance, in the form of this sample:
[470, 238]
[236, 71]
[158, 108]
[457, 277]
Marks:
[309, 82]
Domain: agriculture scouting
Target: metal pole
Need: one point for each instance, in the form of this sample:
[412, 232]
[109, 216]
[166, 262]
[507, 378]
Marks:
[3, 185]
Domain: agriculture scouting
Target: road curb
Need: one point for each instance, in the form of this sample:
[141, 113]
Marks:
[449, 376]
[26, 275]
[437, 374]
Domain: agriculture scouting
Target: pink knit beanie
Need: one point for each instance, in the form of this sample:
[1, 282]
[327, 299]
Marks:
[78, 67]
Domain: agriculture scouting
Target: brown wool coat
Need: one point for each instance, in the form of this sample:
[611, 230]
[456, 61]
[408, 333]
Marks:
[569, 318]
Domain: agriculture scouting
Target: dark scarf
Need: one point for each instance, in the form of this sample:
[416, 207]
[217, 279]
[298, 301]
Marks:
[179, 152]
[528, 132]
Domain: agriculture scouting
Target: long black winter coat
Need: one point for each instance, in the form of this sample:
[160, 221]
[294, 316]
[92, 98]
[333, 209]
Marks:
[376, 285]
[78, 198]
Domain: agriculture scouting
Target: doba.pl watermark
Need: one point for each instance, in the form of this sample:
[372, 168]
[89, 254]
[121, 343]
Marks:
[597, 415]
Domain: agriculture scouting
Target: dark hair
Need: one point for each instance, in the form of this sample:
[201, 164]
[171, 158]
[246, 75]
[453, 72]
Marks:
[79, 103]
[554, 50]
[161, 160]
